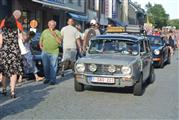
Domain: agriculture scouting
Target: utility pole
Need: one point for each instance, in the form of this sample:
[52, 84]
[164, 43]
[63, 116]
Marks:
[99, 10]
[125, 11]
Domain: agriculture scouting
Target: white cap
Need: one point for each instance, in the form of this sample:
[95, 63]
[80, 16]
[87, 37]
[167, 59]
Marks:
[93, 21]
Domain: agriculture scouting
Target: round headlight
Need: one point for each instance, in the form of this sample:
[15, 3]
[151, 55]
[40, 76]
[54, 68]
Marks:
[112, 68]
[156, 52]
[80, 67]
[92, 67]
[126, 70]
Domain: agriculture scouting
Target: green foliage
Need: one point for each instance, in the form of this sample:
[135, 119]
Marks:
[157, 15]
[174, 22]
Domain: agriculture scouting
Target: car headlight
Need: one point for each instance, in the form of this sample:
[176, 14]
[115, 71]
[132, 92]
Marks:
[156, 52]
[126, 70]
[80, 67]
[112, 68]
[92, 67]
[39, 63]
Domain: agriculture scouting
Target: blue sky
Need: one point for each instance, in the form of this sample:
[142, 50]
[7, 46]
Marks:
[171, 6]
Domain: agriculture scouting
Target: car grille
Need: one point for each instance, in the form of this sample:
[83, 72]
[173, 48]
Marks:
[102, 69]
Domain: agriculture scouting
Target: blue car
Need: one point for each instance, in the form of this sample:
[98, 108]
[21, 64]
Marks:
[160, 51]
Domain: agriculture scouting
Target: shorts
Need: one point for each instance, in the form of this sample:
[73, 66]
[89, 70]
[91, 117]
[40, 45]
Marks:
[69, 54]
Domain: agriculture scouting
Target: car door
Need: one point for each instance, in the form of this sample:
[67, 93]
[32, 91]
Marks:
[165, 50]
[145, 56]
[148, 57]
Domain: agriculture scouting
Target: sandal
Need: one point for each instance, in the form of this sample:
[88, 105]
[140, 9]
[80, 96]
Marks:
[39, 79]
[4, 92]
[13, 94]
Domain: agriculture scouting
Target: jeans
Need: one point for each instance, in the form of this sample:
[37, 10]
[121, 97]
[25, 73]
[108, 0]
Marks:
[50, 64]
[29, 65]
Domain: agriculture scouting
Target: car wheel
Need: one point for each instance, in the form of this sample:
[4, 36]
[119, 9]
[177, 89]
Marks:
[78, 86]
[138, 87]
[161, 63]
[151, 77]
[169, 59]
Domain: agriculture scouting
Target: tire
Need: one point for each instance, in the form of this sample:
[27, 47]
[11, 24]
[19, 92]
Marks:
[151, 77]
[162, 63]
[78, 86]
[138, 87]
[169, 59]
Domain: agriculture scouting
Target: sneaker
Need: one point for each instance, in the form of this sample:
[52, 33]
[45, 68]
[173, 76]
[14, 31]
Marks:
[52, 83]
[46, 81]
[62, 75]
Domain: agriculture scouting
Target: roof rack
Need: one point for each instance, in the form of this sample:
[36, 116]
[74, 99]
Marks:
[128, 29]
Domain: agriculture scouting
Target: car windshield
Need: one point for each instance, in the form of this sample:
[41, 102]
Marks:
[108, 46]
[155, 41]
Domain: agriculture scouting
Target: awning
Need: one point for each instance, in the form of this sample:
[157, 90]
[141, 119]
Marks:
[116, 22]
[53, 4]
[78, 17]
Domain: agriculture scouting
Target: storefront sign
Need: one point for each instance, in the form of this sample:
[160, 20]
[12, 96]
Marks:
[56, 2]
[33, 23]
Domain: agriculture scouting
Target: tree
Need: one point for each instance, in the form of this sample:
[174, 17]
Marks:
[174, 22]
[149, 16]
[157, 15]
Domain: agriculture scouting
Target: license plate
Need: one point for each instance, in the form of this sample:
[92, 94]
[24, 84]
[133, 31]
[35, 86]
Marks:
[101, 80]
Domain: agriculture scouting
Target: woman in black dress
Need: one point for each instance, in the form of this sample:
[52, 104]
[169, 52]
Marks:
[10, 56]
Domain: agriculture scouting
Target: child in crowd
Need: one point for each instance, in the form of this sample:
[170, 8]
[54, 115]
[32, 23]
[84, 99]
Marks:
[28, 63]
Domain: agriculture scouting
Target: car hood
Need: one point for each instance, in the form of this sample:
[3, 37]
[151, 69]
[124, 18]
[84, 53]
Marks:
[108, 59]
[156, 47]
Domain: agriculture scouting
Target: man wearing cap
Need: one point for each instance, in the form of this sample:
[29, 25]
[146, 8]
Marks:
[89, 33]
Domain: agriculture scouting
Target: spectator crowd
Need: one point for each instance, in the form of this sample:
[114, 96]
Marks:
[16, 56]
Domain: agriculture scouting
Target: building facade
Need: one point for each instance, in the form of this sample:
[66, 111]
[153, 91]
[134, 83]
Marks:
[5, 8]
[136, 14]
[44, 10]
[83, 11]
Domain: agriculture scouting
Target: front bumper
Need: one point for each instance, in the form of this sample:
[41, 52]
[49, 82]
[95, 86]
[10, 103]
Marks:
[119, 81]
[156, 59]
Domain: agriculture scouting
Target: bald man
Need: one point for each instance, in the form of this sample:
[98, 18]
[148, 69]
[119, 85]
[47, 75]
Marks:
[71, 42]
[50, 41]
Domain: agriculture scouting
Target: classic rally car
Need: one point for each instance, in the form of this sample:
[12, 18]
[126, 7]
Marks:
[160, 51]
[116, 60]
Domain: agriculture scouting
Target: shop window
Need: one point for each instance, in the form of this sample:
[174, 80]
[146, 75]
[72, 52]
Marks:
[70, 1]
[4, 2]
[79, 2]
[91, 4]
[102, 6]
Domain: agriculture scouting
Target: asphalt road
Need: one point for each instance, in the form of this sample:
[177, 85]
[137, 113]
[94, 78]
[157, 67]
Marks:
[38, 101]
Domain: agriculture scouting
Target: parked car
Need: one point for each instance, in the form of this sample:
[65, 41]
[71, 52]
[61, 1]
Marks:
[160, 51]
[116, 60]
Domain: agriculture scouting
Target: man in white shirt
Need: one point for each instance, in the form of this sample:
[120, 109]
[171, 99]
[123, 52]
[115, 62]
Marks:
[71, 42]
[90, 32]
